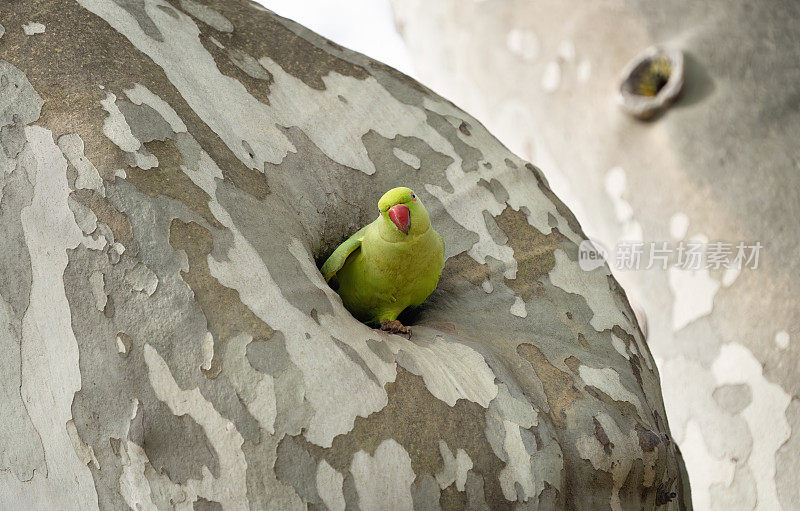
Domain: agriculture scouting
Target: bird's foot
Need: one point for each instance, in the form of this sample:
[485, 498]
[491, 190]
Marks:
[396, 327]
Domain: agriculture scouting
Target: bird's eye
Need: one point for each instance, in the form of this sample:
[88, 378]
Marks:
[413, 197]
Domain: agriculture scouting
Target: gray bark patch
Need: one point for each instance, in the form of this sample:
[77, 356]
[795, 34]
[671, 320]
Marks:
[295, 467]
[180, 460]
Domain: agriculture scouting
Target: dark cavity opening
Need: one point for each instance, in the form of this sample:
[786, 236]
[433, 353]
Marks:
[651, 76]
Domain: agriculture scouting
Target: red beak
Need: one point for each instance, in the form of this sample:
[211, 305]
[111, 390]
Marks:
[401, 217]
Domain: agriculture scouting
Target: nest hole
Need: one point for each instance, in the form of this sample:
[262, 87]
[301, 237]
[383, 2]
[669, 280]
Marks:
[652, 76]
[651, 82]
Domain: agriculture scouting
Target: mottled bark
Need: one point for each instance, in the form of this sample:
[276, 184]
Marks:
[172, 171]
[720, 165]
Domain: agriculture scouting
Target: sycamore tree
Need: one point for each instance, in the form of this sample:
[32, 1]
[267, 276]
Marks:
[172, 175]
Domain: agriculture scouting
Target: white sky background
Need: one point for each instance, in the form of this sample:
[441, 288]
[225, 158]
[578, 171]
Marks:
[366, 26]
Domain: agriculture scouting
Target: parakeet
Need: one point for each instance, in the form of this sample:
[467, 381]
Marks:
[390, 264]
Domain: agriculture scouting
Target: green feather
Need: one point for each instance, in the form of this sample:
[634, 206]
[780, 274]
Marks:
[379, 270]
[337, 259]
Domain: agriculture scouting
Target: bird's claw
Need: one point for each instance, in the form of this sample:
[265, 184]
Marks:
[396, 327]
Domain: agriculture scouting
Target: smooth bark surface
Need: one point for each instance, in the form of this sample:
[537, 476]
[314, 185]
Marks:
[720, 165]
[171, 174]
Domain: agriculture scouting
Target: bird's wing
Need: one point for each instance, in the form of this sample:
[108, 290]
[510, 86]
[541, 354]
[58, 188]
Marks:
[339, 256]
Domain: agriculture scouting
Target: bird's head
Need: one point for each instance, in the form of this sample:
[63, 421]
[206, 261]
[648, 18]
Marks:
[405, 211]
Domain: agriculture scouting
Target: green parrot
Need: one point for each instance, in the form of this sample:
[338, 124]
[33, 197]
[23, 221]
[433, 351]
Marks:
[390, 264]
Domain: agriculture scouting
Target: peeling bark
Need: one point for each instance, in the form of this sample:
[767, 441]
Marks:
[171, 174]
[719, 165]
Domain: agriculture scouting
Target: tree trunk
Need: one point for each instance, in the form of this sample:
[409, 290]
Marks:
[173, 172]
[720, 165]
